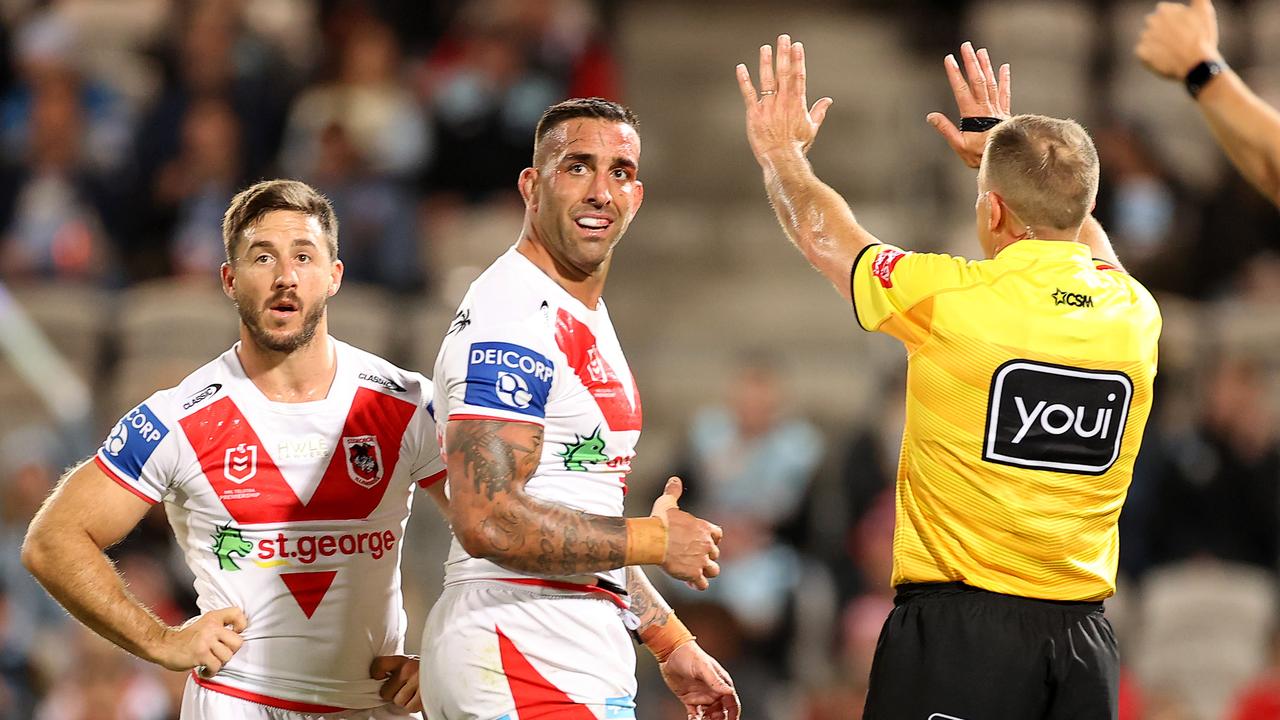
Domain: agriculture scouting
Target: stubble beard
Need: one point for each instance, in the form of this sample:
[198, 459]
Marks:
[278, 342]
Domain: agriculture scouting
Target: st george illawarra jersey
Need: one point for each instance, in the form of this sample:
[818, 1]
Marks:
[522, 349]
[293, 512]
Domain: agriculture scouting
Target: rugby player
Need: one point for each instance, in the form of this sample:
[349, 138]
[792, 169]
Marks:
[287, 467]
[541, 416]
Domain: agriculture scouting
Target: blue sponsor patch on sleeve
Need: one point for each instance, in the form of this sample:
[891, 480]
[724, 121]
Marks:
[133, 439]
[508, 377]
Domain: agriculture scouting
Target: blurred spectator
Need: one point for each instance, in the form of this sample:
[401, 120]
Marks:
[28, 472]
[750, 469]
[17, 678]
[485, 90]
[379, 223]
[366, 98]
[215, 56]
[56, 215]
[1217, 490]
[105, 683]
[1151, 218]
[45, 49]
[192, 190]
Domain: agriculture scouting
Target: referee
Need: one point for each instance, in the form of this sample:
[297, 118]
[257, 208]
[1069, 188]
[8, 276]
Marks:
[1028, 387]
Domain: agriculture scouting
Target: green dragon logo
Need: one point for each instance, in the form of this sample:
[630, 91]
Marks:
[228, 541]
[589, 449]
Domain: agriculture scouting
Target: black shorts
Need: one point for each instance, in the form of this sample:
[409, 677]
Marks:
[953, 652]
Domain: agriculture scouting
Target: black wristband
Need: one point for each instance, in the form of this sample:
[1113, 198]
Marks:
[1201, 74]
[978, 124]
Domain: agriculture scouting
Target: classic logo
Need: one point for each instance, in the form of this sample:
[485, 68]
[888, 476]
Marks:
[229, 543]
[882, 267]
[1061, 297]
[1051, 417]
[583, 450]
[209, 391]
[240, 463]
[364, 459]
[391, 385]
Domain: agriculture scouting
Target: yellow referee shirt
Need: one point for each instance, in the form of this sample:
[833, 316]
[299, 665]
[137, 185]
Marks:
[1028, 387]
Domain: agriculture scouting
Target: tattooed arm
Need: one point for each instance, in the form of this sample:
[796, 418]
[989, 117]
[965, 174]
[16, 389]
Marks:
[700, 683]
[646, 603]
[494, 518]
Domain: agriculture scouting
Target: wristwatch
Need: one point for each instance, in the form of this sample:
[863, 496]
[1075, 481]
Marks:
[1201, 74]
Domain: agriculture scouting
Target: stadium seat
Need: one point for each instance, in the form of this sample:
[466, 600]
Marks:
[1205, 625]
[75, 319]
[176, 320]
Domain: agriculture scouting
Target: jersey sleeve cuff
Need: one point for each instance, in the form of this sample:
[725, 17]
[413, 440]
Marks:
[114, 475]
[853, 285]
[430, 480]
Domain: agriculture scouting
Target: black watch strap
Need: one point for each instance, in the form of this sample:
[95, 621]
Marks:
[1201, 74]
[978, 124]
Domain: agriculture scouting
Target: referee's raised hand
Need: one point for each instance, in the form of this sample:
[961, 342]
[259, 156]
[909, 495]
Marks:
[980, 92]
[779, 118]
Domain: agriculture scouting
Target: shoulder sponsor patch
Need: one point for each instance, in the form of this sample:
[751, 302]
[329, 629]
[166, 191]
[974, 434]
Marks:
[510, 377]
[133, 439]
[884, 263]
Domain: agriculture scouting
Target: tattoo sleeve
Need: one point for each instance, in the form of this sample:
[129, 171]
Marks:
[646, 603]
[494, 518]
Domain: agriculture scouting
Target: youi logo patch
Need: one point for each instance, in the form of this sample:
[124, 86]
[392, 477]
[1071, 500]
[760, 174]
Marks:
[133, 439]
[504, 376]
[1052, 417]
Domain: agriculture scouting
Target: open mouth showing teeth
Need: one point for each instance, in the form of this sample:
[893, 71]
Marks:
[285, 306]
[593, 223]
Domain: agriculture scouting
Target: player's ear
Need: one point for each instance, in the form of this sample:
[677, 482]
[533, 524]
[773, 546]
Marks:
[528, 183]
[335, 277]
[228, 275]
[639, 197]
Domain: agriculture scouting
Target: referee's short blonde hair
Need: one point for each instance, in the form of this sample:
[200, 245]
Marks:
[1044, 168]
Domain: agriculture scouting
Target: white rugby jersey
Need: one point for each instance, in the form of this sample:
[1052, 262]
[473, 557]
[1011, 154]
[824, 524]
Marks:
[294, 512]
[522, 349]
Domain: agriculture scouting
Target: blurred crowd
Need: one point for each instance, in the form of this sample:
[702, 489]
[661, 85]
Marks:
[127, 125]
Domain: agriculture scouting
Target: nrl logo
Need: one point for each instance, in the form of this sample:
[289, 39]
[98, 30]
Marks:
[364, 459]
[240, 463]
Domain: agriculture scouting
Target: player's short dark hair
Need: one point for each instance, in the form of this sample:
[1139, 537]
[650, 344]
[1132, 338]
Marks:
[592, 107]
[1046, 169]
[250, 204]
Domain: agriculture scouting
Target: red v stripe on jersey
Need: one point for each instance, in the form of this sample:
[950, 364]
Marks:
[534, 695]
[578, 344]
[265, 497]
[309, 588]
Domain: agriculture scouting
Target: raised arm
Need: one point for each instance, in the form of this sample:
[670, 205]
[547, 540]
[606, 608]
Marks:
[781, 128]
[1177, 39]
[984, 97]
[87, 513]
[490, 462]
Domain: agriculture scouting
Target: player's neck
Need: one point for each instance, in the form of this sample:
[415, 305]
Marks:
[586, 288]
[304, 375]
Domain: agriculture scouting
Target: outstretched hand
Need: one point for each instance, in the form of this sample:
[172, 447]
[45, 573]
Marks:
[985, 93]
[779, 119]
[1178, 37]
